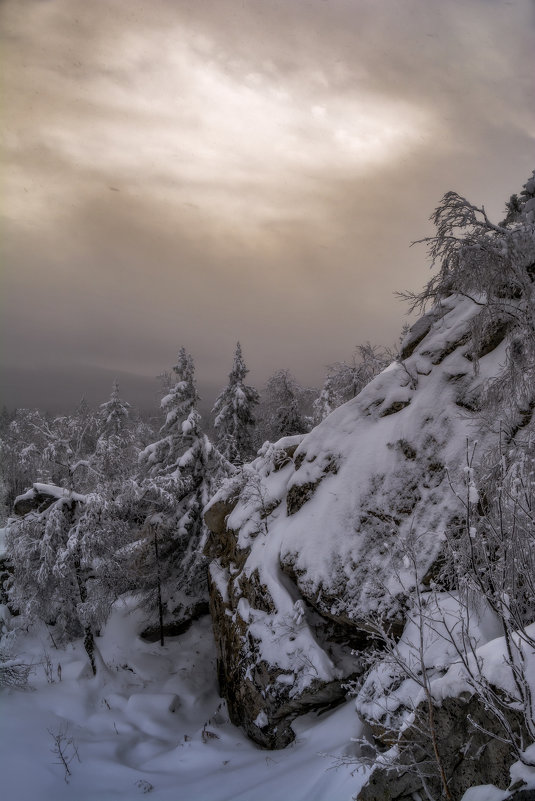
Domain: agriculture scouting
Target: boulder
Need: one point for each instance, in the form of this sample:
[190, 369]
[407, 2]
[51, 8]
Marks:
[469, 757]
[470, 738]
[40, 496]
[308, 543]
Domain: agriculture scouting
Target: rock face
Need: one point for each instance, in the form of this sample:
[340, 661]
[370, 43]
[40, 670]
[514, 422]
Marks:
[40, 496]
[308, 543]
[471, 737]
[277, 658]
[469, 756]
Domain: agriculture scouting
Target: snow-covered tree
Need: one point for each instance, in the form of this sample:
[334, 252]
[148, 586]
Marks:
[283, 408]
[84, 426]
[63, 563]
[114, 414]
[494, 265]
[327, 400]
[59, 450]
[519, 206]
[22, 445]
[345, 380]
[115, 451]
[233, 412]
[178, 475]
[66, 451]
[475, 257]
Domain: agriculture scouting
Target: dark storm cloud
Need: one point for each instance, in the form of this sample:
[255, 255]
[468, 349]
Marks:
[194, 172]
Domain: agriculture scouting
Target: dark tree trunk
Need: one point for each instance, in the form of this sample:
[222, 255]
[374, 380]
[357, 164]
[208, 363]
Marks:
[89, 645]
[89, 640]
[158, 584]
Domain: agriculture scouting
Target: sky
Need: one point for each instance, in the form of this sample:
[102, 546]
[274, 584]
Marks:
[194, 172]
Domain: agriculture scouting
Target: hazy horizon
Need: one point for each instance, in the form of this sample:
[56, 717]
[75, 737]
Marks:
[190, 174]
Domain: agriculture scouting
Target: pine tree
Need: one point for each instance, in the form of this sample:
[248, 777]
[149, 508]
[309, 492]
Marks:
[327, 400]
[233, 412]
[114, 452]
[179, 474]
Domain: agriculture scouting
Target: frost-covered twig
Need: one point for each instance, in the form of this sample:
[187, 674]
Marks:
[65, 749]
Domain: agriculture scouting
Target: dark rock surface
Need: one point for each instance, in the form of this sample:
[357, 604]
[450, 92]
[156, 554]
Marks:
[469, 756]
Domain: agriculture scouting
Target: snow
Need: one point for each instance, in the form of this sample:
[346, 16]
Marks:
[155, 723]
[524, 773]
[379, 467]
[58, 492]
[53, 491]
[440, 622]
[492, 663]
[219, 577]
[261, 720]
[485, 792]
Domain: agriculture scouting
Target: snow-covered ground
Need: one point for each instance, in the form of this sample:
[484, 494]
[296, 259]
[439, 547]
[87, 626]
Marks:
[155, 724]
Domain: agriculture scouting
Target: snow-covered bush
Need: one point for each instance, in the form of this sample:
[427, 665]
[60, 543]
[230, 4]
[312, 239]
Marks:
[64, 567]
[344, 381]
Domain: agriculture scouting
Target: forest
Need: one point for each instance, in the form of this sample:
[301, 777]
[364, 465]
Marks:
[347, 571]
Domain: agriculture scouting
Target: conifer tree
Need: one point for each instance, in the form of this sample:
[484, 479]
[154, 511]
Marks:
[327, 400]
[178, 475]
[114, 452]
[233, 411]
[114, 413]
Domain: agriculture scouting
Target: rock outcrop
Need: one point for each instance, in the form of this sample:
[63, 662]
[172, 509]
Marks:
[40, 496]
[309, 542]
[468, 755]
[472, 712]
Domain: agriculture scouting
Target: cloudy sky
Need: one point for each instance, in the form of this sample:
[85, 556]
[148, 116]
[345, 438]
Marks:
[193, 172]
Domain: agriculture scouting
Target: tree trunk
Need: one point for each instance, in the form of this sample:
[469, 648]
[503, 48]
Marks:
[89, 645]
[89, 640]
[158, 584]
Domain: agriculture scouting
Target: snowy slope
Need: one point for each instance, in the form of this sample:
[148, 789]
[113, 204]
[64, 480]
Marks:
[155, 724]
[317, 528]
[395, 448]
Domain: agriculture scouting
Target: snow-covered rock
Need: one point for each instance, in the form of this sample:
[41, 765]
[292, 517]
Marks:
[324, 519]
[471, 730]
[40, 496]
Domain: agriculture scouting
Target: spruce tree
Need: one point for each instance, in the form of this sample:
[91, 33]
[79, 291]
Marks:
[114, 452]
[178, 475]
[326, 402]
[233, 412]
